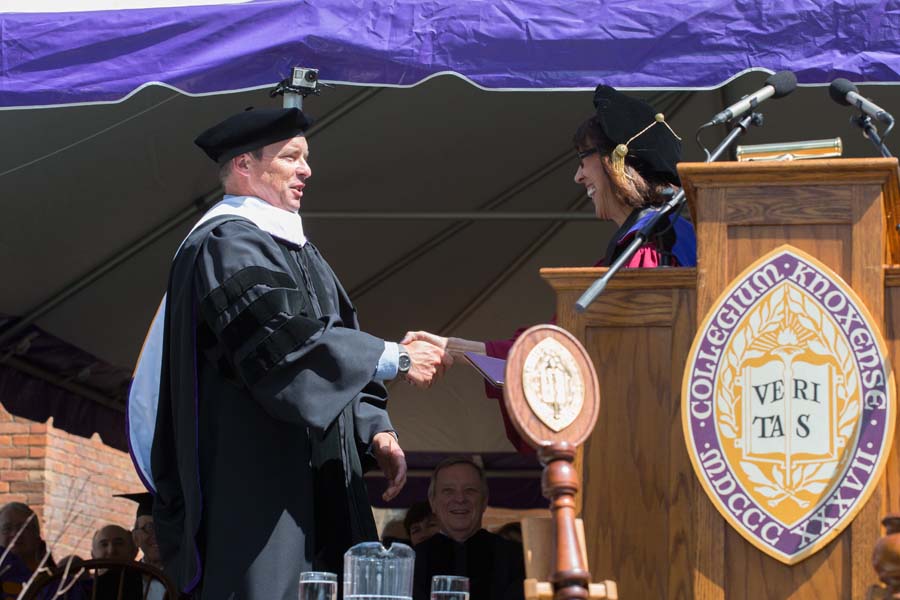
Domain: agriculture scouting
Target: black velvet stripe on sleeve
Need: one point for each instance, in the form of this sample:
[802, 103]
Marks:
[276, 346]
[214, 353]
[258, 314]
[230, 292]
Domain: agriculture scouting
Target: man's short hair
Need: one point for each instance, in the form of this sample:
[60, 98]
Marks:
[225, 166]
[458, 460]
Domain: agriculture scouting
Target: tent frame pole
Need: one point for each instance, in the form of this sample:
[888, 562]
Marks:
[497, 282]
[421, 250]
[82, 391]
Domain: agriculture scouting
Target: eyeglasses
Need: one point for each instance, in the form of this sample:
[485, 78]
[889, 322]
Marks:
[583, 154]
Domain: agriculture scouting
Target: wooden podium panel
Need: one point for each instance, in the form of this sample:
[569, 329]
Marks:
[648, 522]
[834, 210]
[638, 481]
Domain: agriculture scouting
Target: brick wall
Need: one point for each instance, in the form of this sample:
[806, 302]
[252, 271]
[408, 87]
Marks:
[68, 481]
[22, 455]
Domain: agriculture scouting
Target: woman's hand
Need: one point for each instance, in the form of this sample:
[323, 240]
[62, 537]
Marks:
[453, 346]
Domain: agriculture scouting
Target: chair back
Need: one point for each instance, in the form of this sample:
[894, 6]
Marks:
[539, 543]
[102, 579]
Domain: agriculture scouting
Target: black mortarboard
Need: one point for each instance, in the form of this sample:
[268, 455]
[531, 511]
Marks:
[636, 129]
[250, 130]
[144, 501]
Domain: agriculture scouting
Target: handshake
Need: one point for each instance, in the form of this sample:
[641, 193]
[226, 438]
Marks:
[431, 355]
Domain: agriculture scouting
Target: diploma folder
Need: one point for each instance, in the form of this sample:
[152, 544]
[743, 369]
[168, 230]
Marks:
[492, 369]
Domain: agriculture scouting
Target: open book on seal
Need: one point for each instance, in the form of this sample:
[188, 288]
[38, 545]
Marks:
[492, 369]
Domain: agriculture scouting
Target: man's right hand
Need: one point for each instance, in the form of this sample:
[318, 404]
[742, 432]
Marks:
[427, 362]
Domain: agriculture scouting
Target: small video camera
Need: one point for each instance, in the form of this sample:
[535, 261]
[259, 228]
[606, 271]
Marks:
[304, 78]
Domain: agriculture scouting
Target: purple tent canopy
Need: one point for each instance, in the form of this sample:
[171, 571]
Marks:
[55, 58]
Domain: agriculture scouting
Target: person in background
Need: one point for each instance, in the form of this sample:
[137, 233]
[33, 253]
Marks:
[627, 156]
[21, 548]
[144, 536]
[420, 523]
[73, 562]
[458, 494]
[113, 542]
[511, 531]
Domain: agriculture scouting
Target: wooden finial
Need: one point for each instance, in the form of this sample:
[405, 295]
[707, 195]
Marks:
[553, 397]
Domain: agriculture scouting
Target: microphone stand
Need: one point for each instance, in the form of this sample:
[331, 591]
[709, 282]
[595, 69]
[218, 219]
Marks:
[864, 122]
[670, 207]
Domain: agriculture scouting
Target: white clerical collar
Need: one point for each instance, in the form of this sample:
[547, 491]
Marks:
[283, 224]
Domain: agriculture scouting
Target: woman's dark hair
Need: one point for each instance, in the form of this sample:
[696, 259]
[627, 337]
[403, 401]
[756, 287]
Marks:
[638, 186]
[417, 512]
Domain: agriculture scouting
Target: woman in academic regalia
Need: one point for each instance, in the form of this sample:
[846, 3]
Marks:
[627, 157]
[627, 163]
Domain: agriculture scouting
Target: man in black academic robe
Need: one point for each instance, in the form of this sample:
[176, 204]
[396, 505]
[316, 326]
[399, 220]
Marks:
[270, 397]
[112, 542]
[495, 566]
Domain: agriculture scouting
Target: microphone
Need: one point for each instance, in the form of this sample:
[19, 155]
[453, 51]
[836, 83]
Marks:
[844, 92]
[778, 85]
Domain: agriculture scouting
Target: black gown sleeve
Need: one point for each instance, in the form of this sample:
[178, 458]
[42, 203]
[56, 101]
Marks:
[299, 368]
[370, 414]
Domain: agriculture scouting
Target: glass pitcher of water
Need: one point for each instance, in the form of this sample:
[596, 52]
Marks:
[373, 573]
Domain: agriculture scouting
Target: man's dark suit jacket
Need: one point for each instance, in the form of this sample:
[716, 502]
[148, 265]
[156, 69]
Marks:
[495, 566]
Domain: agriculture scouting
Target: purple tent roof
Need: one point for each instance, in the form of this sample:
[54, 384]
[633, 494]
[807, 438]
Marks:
[102, 56]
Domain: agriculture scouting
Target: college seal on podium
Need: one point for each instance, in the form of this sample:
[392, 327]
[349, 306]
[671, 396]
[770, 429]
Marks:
[553, 384]
[788, 404]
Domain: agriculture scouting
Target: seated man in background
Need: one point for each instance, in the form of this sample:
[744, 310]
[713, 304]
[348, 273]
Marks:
[420, 523]
[115, 543]
[21, 548]
[144, 535]
[458, 494]
[112, 541]
[22, 552]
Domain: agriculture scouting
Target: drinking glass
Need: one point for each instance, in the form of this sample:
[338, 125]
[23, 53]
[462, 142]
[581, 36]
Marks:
[318, 585]
[449, 587]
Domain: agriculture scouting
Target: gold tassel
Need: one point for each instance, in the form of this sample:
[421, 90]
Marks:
[621, 151]
[618, 158]
[660, 118]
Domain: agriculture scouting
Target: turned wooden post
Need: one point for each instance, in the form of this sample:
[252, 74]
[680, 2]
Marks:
[553, 398]
[560, 485]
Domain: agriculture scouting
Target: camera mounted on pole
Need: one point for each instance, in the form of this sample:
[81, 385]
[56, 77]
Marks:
[303, 82]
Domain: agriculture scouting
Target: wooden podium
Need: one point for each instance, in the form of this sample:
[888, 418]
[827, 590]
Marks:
[648, 522]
